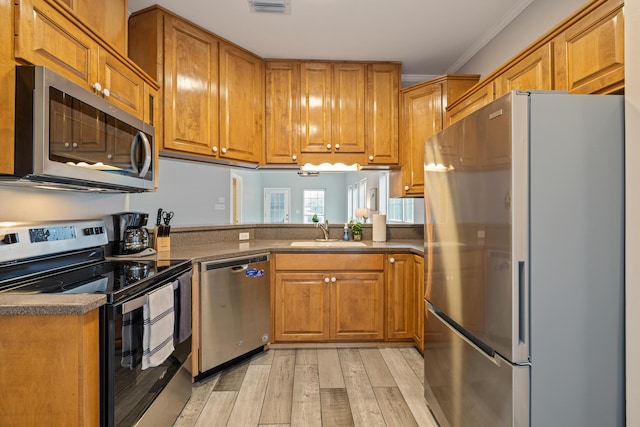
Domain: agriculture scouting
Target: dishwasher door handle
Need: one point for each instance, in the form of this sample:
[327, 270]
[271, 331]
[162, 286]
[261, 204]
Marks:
[239, 268]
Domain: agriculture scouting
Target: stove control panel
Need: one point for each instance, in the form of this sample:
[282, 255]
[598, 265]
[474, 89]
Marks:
[20, 241]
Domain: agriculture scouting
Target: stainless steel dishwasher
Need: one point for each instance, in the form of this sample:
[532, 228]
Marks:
[234, 310]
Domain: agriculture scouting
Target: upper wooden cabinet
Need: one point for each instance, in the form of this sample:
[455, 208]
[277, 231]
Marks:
[533, 71]
[212, 91]
[108, 18]
[421, 116]
[589, 56]
[241, 94]
[46, 35]
[320, 112]
[582, 54]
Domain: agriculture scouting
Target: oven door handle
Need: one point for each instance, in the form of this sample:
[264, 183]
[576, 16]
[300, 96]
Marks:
[134, 304]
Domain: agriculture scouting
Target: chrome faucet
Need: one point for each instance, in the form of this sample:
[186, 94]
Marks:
[325, 228]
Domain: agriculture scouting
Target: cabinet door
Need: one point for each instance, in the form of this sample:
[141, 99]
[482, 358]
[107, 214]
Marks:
[421, 118]
[315, 108]
[348, 114]
[382, 113]
[241, 104]
[282, 112]
[417, 296]
[400, 297]
[590, 54]
[190, 89]
[108, 18]
[125, 88]
[301, 307]
[45, 37]
[357, 306]
[531, 73]
[479, 98]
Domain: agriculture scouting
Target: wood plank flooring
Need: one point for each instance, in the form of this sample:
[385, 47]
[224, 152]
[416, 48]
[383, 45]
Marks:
[314, 387]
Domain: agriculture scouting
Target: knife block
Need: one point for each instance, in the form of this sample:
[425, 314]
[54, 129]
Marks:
[163, 243]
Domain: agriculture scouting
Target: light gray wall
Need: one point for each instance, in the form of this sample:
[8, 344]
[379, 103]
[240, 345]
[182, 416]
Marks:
[30, 204]
[197, 193]
[538, 18]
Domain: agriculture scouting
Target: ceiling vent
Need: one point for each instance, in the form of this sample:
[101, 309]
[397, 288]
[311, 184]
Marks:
[271, 6]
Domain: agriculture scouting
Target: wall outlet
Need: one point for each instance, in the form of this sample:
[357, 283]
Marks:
[244, 236]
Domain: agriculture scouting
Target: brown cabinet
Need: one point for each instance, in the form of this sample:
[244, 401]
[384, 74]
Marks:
[45, 35]
[582, 54]
[400, 296]
[319, 112]
[421, 116]
[532, 72]
[382, 117]
[50, 370]
[282, 112]
[589, 56]
[241, 93]
[328, 297]
[212, 91]
[108, 18]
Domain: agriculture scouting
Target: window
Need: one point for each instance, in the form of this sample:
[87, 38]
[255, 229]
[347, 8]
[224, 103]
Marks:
[400, 211]
[313, 204]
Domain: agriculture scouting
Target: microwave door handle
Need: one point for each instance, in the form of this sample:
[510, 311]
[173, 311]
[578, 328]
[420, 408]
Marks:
[147, 154]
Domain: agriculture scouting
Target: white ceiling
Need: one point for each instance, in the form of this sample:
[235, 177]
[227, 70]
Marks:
[429, 37]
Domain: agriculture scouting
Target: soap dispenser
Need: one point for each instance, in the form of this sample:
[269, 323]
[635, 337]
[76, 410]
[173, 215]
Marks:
[345, 235]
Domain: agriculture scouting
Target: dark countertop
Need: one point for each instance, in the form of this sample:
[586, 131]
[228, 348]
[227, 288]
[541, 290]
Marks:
[59, 304]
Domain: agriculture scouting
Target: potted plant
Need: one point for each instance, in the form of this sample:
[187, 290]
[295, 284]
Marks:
[356, 230]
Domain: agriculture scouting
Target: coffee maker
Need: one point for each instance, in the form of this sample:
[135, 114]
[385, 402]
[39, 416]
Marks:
[131, 237]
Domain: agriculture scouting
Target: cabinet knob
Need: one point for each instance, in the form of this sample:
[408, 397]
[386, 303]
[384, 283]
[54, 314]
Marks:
[109, 156]
[328, 146]
[337, 146]
[333, 280]
[406, 188]
[294, 157]
[224, 151]
[392, 260]
[106, 92]
[66, 144]
[326, 280]
[97, 87]
[75, 145]
[214, 149]
[371, 158]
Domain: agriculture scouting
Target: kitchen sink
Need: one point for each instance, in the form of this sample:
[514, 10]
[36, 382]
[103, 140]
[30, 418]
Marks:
[327, 243]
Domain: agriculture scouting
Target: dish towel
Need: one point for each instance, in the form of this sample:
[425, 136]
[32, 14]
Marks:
[159, 319]
[131, 334]
[183, 308]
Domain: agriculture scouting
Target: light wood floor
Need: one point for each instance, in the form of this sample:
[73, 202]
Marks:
[315, 387]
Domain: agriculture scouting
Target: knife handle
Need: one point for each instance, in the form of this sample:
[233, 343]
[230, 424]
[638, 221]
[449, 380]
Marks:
[159, 219]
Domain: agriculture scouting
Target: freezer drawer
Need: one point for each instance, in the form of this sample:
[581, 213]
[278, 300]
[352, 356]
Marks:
[234, 309]
[466, 387]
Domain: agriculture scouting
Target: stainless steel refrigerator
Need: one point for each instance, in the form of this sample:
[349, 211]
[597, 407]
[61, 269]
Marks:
[524, 264]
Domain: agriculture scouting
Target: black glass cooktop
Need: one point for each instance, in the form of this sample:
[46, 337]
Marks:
[118, 279]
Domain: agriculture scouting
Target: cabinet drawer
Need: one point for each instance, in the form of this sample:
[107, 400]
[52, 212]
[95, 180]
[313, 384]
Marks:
[325, 261]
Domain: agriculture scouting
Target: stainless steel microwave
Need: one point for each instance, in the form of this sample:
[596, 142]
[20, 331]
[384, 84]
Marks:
[68, 137]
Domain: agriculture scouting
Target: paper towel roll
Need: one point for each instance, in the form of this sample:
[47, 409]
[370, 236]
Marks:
[379, 228]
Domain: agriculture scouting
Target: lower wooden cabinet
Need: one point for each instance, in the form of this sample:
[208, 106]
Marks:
[50, 370]
[328, 297]
[400, 297]
[418, 301]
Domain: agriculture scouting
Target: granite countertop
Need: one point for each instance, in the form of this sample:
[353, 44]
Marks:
[49, 304]
[61, 304]
[213, 251]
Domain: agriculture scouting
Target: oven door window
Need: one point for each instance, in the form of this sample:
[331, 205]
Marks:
[83, 136]
[134, 389]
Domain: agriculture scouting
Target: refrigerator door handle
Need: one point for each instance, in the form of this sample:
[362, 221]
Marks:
[493, 359]
[521, 303]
